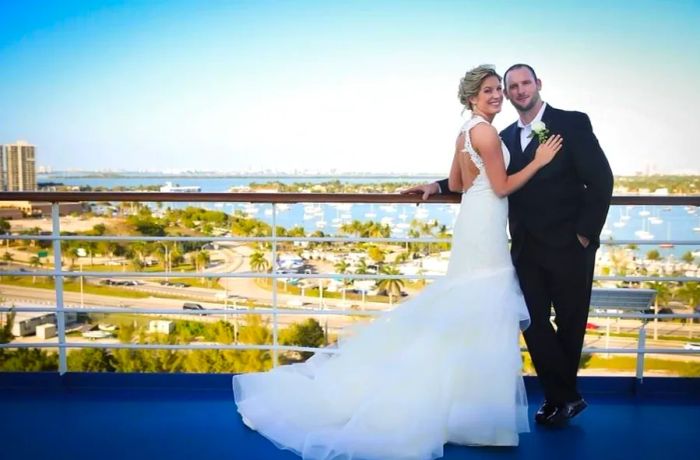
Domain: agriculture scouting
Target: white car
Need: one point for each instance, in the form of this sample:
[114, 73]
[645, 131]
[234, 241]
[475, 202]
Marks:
[692, 346]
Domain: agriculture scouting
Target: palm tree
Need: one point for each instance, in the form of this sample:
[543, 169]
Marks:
[361, 267]
[690, 293]
[688, 257]
[201, 260]
[341, 267]
[258, 262]
[443, 233]
[392, 286]
[35, 262]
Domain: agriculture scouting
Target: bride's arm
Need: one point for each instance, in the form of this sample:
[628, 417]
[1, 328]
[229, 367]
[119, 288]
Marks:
[485, 140]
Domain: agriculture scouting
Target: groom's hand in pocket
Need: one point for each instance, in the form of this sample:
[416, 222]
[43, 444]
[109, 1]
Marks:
[583, 240]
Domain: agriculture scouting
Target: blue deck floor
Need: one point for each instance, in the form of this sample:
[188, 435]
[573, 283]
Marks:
[105, 417]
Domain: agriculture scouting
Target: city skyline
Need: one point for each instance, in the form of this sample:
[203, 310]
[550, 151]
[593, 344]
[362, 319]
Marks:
[367, 86]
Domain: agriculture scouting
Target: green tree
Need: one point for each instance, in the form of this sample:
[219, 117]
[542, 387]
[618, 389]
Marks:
[258, 262]
[91, 360]
[5, 226]
[341, 267]
[392, 286]
[35, 262]
[376, 254]
[653, 255]
[690, 293]
[306, 334]
[361, 267]
[28, 360]
[254, 332]
[6, 329]
[664, 292]
[688, 257]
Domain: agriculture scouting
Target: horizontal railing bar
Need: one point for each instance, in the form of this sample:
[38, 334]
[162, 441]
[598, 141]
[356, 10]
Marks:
[267, 197]
[283, 276]
[636, 351]
[660, 316]
[683, 279]
[132, 346]
[290, 239]
[251, 239]
[280, 276]
[241, 310]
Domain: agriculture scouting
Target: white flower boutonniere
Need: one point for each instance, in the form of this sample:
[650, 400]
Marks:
[540, 130]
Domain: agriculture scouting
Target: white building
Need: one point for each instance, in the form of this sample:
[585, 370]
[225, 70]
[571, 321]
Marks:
[169, 188]
[160, 327]
[27, 323]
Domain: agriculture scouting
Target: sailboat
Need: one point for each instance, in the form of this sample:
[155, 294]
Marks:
[668, 237]
[371, 214]
[623, 219]
[644, 234]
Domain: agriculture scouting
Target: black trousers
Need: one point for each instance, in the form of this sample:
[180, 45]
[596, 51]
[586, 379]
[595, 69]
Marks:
[559, 278]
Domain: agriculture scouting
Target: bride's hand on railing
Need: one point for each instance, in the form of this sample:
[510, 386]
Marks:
[425, 189]
[547, 150]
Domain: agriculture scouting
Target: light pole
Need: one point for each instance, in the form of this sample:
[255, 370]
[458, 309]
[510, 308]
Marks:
[235, 323]
[81, 253]
[166, 262]
[320, 291]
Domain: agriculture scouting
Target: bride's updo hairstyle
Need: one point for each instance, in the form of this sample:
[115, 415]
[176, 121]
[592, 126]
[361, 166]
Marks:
[471, 83]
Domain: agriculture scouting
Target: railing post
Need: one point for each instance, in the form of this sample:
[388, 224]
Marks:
[275, 343]
[641, 345]
[58, 283]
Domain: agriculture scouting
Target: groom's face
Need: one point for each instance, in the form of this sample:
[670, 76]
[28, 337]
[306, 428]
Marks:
[522, 89]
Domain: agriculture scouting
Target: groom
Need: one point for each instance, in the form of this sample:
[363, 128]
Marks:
[555, 222]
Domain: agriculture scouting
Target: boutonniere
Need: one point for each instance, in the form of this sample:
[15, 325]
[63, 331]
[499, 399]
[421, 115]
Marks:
[540, 130]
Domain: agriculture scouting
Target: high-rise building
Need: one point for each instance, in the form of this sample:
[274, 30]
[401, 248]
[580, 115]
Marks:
[3, 176]
[17, 167]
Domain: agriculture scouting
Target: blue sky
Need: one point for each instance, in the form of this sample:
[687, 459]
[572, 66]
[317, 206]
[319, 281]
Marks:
[360, 86]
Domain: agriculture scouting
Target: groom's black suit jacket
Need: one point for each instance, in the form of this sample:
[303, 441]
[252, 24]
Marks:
[570, 195]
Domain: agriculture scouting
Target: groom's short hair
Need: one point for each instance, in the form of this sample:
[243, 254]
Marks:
[518, 66]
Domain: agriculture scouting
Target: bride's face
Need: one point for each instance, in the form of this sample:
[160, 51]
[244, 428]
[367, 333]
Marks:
[489, 101]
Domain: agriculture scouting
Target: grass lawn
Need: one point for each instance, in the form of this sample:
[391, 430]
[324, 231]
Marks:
[73, 285]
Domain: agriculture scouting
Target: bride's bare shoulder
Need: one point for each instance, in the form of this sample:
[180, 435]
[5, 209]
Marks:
[484, 134]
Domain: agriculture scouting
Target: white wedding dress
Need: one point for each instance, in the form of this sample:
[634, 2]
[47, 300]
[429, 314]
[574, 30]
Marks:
[443, 367]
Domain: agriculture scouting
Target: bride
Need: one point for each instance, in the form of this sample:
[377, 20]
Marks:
[443, 367]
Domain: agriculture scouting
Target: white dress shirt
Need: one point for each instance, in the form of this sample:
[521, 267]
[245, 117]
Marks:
[526, 129]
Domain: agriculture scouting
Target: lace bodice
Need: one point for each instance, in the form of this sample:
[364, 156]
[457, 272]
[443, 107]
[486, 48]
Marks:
[481, 182]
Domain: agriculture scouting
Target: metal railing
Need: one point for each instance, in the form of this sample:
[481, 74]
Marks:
[274, 199]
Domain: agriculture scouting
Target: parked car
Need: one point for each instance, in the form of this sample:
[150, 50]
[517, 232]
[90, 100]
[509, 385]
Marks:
[129, 283]
[193, 306]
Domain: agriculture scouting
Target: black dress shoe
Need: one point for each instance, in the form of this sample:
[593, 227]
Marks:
[563, 413]
[544, 412]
